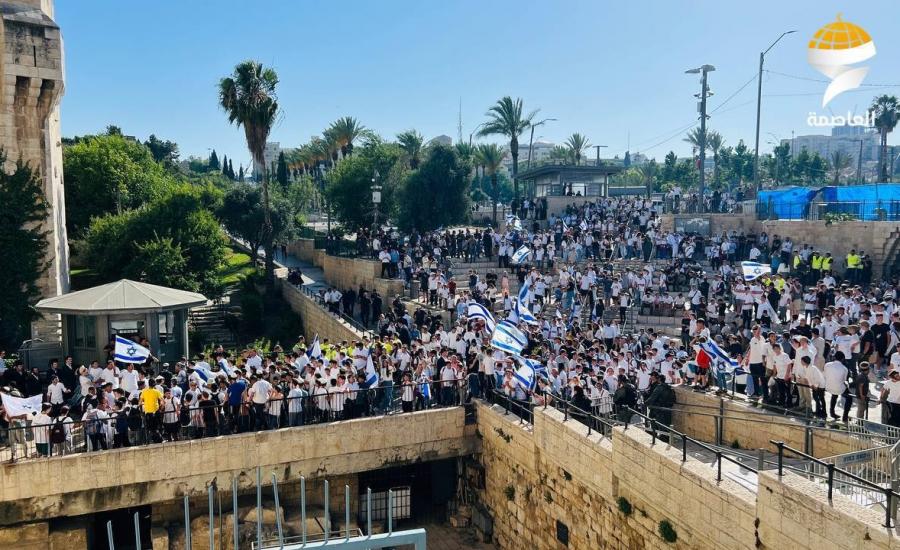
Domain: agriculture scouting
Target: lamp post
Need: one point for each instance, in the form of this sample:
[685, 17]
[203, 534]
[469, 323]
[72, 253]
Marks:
[531, 139]
[376, 200]
[859, 164]
[472, 133]
[762, 57]
[704, 93]
[891, 175]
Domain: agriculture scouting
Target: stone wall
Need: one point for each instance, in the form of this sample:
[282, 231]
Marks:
[86, 483]
[32, 83]
[696, 417]
[878, 239]
[315, 318]
[536, 476]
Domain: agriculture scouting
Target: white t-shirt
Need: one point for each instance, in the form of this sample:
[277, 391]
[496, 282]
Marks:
[260, 391]
[835, 377]
[893, 388]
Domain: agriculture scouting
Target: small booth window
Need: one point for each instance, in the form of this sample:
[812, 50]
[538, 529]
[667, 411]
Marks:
[85, 332]
[132, 329]
[166, 325]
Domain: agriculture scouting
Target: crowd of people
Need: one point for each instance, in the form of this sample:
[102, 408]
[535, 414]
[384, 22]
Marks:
[813, 336]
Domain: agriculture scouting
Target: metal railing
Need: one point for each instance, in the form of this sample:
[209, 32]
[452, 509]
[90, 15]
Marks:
[835, 477]
[194, 422]
[316, 297]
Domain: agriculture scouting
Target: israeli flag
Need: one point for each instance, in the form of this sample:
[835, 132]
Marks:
[718, 354]
[521, 254]
[425, 385]
[315, 350]
[371, 373]
[507, 337]
[478, 311]
[223, 366]
[754, 270]
[559, 314]
[525, 292]
[523, 314]
[514, 222]
[205, 374]
[130, 352]
[583, 225]
[526, 377]
[18, 406]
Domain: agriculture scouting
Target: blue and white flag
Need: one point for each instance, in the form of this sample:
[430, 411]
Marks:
[583, 225]
[225, 367]
[130, 352]
[525, 292]
[315, 350]
[205, 374]
[754, 270]
[521, 254]
[559, 314]
[371, 373]
[528, 372]
[718, 354]
[478, 311]
[18, 406]
[425, 385]
[507, 337]
[513, 222]
[522, 314]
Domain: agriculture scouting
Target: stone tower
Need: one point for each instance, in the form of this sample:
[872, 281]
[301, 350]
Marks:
[32, 84]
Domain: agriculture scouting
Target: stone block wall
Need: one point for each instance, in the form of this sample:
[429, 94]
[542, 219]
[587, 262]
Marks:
[536, 476]
[315, 318]
[31, 87]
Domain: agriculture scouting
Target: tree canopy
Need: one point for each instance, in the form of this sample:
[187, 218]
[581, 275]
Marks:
[437, 193]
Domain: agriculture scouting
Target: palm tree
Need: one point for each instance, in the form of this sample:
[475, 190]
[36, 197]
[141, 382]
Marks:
[885, 110]
[507, 118]
[466, 151]
[648, 172]
[490, 156]
[577, 144]
[715, 141]
[840, 161]
[346, 130]
[411, 142]
[332, 145]
[248, 98]
[561, 153]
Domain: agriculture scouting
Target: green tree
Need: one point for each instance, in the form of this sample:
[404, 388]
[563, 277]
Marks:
[840, 161]
[165, 152]
[818, 168]
[490, 157]
[412, 143]
[886, 111]
[626, 162]
[113, 130]
[781, 155]
[109, 173]
[281, 171]
[561, 154]
[437, 194]
[120, 245]
[670, 164]
[349, 184]
[231, 171]
[241, 214]
[507, 118]
[248, 98]
[213, 164]
[649, 171]
[577, 144]
[24, 244]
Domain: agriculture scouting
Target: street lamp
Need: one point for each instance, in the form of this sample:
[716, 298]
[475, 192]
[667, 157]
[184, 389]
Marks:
[762, 57]
[376, 200]
[891, 175]
[703, 70]
[473, 132]
[531, 139]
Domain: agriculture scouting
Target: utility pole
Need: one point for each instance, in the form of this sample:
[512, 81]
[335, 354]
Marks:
[762, 58]
[531, 139]
[859, 164]
[597, 147]
[704, 93]
[376, 200]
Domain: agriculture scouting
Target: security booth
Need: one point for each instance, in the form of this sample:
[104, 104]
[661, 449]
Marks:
[562, 185]
[93, 317]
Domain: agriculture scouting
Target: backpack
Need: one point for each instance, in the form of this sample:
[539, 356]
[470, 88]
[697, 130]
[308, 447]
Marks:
[135, 421]
[58, 431]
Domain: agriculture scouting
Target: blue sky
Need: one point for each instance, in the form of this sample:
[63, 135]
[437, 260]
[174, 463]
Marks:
[611, 70]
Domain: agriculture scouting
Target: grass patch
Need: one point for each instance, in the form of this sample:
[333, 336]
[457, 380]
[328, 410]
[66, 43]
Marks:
[235, 268]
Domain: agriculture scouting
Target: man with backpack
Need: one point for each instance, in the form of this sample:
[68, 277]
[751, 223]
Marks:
[61, 433]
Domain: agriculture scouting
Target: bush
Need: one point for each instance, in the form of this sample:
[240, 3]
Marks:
[624, 506]
[667, 532]
[510, 492]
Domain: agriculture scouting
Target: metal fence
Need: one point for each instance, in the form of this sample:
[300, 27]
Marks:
[880, 210]
[176, 423]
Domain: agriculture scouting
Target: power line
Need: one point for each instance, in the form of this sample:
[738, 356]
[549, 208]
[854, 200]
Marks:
[739, 90]
[821, 80]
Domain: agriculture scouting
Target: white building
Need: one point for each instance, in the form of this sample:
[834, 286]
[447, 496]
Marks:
[540, 152]
[270, 154]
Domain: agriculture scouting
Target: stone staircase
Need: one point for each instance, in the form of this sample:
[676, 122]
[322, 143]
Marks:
[209, 321]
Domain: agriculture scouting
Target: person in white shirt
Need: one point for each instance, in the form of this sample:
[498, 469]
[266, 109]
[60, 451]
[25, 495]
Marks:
[40, 428]
[836, 383]
[259, 395]
[56, 393]
[110, 375]
[890, 396]
[128, 379]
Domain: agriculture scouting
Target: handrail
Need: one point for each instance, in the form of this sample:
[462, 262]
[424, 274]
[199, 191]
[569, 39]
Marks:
[312, 294]
[684, 441]
[832, 469]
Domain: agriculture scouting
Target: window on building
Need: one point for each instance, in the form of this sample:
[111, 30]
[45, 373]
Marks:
[85, 332]
[166, 325]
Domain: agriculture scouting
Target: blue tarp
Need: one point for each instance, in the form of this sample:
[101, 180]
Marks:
[873, 201]
[791, 203]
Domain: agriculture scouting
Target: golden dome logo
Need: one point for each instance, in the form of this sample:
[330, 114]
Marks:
[832, 51]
